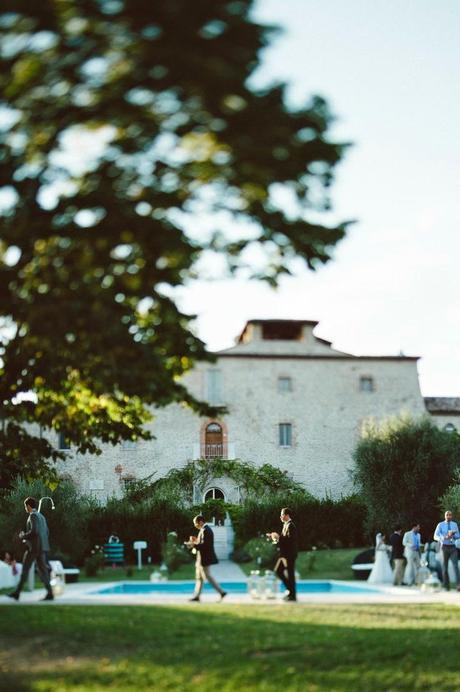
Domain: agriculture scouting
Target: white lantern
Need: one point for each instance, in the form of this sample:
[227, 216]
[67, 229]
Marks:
[254, 584]
[270, 584]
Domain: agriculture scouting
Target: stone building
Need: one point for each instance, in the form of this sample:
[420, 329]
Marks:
[293, 401]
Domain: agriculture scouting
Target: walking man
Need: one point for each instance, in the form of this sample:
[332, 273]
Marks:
[446, 533]
[287, 544]
[203, 546]
[397, 555]
[36, 538]
[411, 543]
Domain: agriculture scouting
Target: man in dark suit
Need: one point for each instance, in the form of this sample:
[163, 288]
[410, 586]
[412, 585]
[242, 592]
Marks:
[397, 555]
[287, 544]
[36, 538]
[203, 546]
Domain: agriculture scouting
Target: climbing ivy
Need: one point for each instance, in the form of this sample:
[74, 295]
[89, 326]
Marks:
[253, 481]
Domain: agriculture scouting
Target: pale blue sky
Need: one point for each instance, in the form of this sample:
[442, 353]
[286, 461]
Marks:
[390, 70]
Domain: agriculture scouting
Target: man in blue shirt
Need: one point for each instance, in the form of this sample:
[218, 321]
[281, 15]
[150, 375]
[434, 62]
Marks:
[446, 534]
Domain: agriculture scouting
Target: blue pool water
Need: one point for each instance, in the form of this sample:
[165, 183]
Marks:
[232, 587]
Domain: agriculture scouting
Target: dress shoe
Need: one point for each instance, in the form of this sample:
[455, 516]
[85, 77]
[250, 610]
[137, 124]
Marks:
[48, 597]
[195, 599]
[222, 595]
[288, 597]
[14, 595]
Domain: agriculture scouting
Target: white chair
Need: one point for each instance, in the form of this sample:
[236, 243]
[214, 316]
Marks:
[8, 580]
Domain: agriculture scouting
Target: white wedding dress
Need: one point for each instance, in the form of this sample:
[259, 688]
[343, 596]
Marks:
[381, 572]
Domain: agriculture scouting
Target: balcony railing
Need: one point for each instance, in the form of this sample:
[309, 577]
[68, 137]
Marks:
[214, 451]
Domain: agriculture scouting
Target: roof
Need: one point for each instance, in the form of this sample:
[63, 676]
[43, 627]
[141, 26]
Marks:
[443, 404]
[299, 356]
[313, 323]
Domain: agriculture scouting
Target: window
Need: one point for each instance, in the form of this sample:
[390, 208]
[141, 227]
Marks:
[214, 438]
[63, 442]
[285, 435]
[284, 384]
[366, 384]
[450, 427]
[96, 484]
[214, 387]
[281, 330]
[214, 494]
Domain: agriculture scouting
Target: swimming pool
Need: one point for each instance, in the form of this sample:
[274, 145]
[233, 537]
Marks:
[185, 588]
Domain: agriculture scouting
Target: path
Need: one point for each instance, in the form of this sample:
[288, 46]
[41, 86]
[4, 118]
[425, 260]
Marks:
[227, 570]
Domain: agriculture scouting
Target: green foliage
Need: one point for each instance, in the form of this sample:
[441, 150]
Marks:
[175, 553]
[67, 523]
[320, 523]
[213, 509]
[149, 521]
[253, 481]
[79, 523]
[91, 253]
[262, 551]
[451, 498]
[402, 467]
[94, 562]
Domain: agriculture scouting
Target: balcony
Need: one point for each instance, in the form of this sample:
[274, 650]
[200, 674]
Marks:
[214, 451]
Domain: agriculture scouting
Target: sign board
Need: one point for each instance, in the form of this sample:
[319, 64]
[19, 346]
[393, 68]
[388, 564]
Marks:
[139, 545]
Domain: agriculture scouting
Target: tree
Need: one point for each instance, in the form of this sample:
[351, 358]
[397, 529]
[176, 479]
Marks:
[93, 248]
[451, 498]
[402, 467]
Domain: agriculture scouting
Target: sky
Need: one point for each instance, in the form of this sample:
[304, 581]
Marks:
[390, 72]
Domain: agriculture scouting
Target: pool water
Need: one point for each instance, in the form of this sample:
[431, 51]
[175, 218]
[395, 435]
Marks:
[232, 587]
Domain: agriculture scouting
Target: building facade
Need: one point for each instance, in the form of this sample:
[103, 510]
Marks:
[293, 401]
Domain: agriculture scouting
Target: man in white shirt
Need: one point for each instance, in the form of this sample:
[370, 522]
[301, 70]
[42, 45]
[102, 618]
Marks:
[446, 533]
[411, 543]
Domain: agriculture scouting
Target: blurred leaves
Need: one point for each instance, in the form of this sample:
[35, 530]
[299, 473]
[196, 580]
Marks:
[122, 124]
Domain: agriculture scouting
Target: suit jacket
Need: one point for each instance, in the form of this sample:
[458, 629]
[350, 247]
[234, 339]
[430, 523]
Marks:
[205, 547]
[408, 543]
[36, 535]
[397, 548]
[288, 541]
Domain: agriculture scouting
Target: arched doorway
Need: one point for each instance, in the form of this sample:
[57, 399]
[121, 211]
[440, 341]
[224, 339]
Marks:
[213, 441]
[211, 495]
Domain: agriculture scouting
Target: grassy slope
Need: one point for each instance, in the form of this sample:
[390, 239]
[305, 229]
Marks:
[225, 647]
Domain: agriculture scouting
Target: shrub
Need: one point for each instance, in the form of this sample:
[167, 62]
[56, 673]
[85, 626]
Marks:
[149, 520]
[322, 523]
[175, 553]
[67, 523]
[94, 562]
[240, 555]
[402, 467]
[451, 498]
[262, 550]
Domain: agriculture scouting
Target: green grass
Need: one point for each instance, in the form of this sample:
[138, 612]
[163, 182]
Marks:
[342, 648]
[320, 564]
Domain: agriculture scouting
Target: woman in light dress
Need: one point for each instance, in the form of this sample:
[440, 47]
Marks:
[381, 572]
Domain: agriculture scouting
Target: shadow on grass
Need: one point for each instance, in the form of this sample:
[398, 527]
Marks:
[339, 648]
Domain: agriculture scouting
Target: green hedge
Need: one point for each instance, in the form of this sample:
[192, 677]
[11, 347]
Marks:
[79, 523]
[321, 523]
[146, 521]
[68, 522]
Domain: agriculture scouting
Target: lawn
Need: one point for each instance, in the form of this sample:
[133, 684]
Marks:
[320, 564]
[230, 647]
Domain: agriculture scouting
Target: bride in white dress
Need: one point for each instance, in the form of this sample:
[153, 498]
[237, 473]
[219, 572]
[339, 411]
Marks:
[381, 572]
